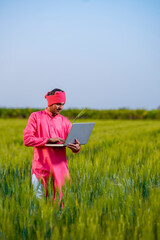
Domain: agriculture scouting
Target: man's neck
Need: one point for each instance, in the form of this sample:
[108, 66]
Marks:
[53, 114]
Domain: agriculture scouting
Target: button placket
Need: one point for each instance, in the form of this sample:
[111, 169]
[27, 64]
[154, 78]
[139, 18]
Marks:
[52, 127]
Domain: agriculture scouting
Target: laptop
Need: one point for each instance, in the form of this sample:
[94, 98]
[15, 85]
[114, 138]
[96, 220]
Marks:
[79, 131]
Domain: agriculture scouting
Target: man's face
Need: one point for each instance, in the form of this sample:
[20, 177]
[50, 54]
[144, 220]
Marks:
[56, 108]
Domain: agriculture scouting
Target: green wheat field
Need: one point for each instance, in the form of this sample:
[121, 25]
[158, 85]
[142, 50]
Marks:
[114, 192]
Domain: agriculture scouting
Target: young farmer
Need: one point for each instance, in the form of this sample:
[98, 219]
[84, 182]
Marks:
[48, 126]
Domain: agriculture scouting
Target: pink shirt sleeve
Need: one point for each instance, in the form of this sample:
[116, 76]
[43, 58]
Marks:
[29, 138]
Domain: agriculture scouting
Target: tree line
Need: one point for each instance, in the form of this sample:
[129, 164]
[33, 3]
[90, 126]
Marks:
[89, 114]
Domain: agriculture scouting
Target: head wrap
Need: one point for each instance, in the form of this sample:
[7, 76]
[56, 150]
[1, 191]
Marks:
[58, 97]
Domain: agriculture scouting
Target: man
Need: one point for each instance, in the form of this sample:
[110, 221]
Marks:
[48, 126]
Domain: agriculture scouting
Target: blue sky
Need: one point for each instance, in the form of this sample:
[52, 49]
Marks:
[104, 53]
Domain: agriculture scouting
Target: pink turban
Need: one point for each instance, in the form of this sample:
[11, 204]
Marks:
[58, 97]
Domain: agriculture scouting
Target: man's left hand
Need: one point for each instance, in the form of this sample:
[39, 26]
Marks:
[75, 147]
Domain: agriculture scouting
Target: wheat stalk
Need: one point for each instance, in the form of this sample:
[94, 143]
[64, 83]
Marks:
[82, 112]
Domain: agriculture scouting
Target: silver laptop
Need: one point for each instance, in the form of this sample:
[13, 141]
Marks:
[79, 131]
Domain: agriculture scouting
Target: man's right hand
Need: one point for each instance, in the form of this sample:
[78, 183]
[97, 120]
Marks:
[55, 140]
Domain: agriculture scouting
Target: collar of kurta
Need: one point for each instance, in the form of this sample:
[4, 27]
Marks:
[49, 113]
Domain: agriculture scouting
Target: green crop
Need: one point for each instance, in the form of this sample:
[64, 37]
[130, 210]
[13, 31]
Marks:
[114, 191]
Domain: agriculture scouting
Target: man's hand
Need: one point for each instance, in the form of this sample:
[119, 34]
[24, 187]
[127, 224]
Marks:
[55, 140]
[75, 147]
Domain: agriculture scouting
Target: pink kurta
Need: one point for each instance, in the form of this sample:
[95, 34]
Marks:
[47, 160]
